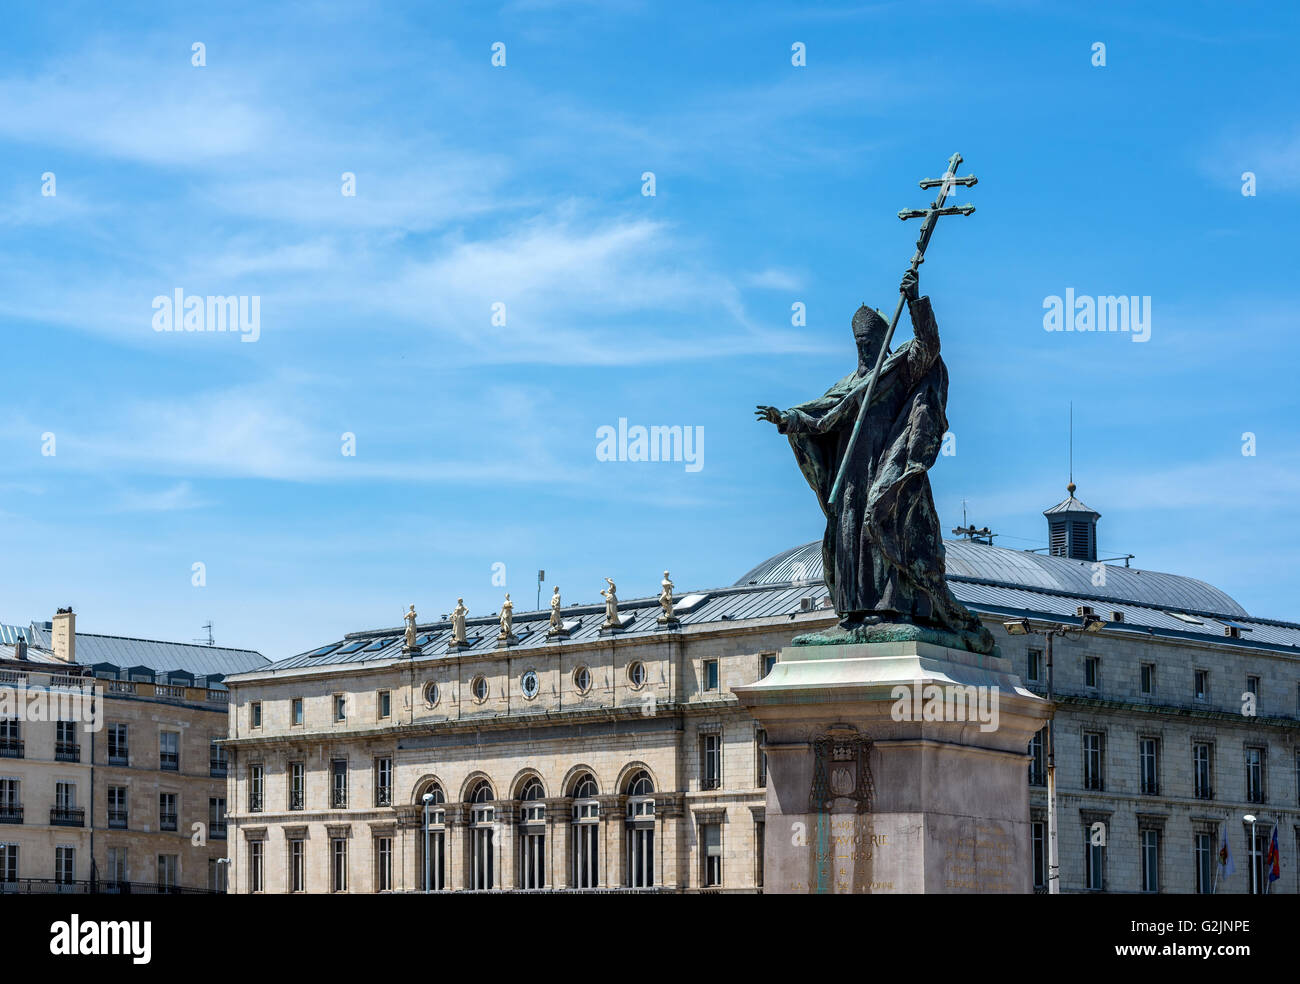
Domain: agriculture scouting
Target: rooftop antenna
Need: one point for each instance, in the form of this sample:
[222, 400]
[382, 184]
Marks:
[1070, 487]
[209, 641]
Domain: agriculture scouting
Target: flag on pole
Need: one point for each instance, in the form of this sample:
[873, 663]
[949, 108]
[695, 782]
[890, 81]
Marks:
[1225, 854]
[1273, 859]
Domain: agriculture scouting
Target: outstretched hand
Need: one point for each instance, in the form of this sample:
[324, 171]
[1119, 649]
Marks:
[769, 413]
[910, 285]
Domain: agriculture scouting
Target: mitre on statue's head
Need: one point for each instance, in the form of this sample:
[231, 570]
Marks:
[869, 328]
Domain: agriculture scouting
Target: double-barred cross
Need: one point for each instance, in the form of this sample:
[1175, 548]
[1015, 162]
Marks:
[946, 184]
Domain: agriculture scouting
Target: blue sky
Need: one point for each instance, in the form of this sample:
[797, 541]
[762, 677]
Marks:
[521, 185]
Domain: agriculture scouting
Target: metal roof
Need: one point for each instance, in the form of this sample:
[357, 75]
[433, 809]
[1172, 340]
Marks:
[9, 634]
[981, 563]
[161, 657]
[786, 599]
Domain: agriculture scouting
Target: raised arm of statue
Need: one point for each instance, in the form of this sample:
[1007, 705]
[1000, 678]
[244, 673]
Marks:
[924, 349]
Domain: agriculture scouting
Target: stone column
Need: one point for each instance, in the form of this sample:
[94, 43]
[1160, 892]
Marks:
[559, 812]
[408, 849]
[456, 848]
[506, 836]
[669, 836]
[612, 829]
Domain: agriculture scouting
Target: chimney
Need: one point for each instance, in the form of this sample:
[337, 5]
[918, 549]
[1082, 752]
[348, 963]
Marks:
[64, 635]
[20, 648]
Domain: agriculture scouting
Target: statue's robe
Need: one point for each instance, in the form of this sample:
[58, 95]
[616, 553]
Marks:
[883, 551]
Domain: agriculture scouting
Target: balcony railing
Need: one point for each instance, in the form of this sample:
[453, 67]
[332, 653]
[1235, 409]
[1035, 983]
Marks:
[218, 768]
[51, 886]
[169, 761]
[384, 796]
[67, 816]
[117, 819]
[167, 821]
[119, 758]
[11, 813]
[11, 748]
[339, 799]
[254, 802]
[295, 799]
[1150, 788]
[217, 830]
[1255, 795]
[1205, 792]
[66, 751]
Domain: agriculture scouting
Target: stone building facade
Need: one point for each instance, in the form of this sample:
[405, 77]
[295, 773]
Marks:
[618, 759]
[129, 796]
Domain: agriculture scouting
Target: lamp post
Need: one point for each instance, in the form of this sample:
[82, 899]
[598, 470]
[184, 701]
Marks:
[1050, 630]
[1250, 819]
[225, 861]
[427, 799]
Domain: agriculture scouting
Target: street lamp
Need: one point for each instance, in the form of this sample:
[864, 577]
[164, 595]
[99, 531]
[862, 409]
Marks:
[226, 861]
[427, 798]
[1250, 819]
[1050, 630]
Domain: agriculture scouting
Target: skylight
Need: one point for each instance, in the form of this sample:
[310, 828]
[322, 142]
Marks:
[1184, 617]
[689, 603]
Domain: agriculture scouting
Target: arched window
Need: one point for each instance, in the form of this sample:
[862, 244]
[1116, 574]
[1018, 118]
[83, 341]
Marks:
[532, 835]
[586, 832]
[482, 869]
[434, 844]
[641, 830]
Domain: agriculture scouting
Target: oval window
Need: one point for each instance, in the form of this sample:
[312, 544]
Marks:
[582, 679]
[528, 683]
[431, 693]
[480, 689]
[636, 673]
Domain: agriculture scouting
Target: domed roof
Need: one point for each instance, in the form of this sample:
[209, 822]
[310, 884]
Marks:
[969, 561]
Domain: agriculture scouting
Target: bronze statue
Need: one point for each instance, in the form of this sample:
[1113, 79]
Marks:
[883, 553]
[865, 447]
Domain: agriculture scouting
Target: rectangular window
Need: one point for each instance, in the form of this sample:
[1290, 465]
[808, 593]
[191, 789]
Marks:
[1150, 840]
[11, 742]
[297, 867]
[340, 707]
[1202, 770]
[710, 674]
[65, 865]
[167, 818]
[1257, 841]
[1034, 665]
[385, 704]
[255, 714]
[1038, 759]
[1255, 774]
[1148, 679]
[711, 761]
[169, 751]
[118, 751]
[66, 748]
[1252, 685]
[760, 741]
[218, 760]
[255, 780]
[255, 866]
[117, 808]
[338, 865]
[383, 864]
[168, 868]
[711, 847]
[296, 785]
[1201, 685]
[436, 843]
[383, 782]
[217, 877]
[1094, 861]
[1038, 836]
[1149, 765]
[760, 839]
[1204, 855]
[769, 661]
[1091, 672]
[1093, 760]
[116, 873]
[8, 862]
[11, 803]
[339, 784]
[217, 817]
[297, 711]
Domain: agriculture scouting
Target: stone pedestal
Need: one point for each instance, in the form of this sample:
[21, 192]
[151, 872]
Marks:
[895, 767]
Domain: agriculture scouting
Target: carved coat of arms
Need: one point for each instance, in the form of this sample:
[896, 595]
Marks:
[841, 770]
